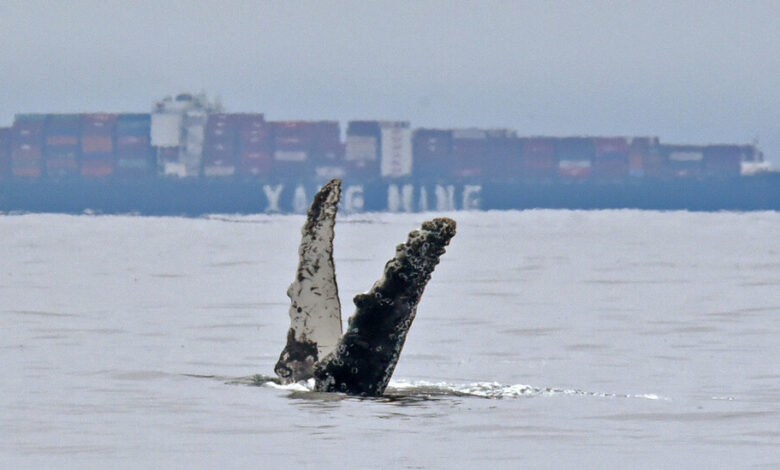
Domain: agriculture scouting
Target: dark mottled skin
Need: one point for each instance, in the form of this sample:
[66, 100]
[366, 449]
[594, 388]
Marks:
[297, 359]
[367, 353]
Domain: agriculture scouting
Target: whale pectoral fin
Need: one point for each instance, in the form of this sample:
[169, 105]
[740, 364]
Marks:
[315, 309]
[366, 356]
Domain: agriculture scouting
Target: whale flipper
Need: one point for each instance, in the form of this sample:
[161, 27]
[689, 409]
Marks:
[366, 355]
[315, 310]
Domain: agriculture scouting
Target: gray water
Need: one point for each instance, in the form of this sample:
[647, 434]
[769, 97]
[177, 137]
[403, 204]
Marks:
[546, 339]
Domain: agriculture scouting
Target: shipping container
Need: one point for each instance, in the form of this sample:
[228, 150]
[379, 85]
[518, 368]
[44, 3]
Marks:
[98, 125]
[683, 161]
[610, 161]
[722, 161]
[645, 159]
[432, 150]
[27, 152]
[364, 128]
[220, 143]
[27, 169]
[326, 148]
[255, 163]
[28, 129]
[97, 144]
[538, 158]
[395, 150]
[468, 153]
[62, 130]
[133, 137]
[575, 157]
[503, 161]
[58, 168]
[361, 149]
[97, 166]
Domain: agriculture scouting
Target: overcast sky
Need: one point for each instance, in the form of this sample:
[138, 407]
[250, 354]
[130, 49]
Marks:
[688, 72]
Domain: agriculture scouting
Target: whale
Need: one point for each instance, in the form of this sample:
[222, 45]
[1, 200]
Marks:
[361, 360]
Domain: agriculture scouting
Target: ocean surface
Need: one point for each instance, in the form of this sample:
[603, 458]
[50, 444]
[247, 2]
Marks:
[545, 339]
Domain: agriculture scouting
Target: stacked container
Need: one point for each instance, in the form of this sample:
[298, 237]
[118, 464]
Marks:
[133, 145]
[538, 158]
[502, 161]
[645, 158]
[27, 145]
[684, 160]
[327, 151]
[395, 149]
[361, 153]
[575, 157]
[219, 145]
[432, 150]
[255, 146]
[61, 145]
[469, 147]
[97, 145]
[722, 161]
[611, 158]
[292, 147]
[5, 153]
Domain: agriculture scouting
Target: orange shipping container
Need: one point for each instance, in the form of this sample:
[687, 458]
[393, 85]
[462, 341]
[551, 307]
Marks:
[97, 144]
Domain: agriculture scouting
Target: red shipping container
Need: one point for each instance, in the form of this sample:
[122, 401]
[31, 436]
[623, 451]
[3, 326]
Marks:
[95, 144]
[292, 136]
[97, 167]
[26, 169]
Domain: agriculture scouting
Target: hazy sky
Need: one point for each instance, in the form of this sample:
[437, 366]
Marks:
[687, 71]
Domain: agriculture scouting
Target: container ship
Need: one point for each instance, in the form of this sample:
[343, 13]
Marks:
[188, 157]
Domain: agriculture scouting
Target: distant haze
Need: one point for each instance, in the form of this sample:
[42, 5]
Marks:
[688, 72]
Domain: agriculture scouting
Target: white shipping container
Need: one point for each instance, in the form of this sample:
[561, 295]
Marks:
[166, 129]
[219, 170]
[361, 148]
[396, 152]
[290, 156]
[688, 156]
